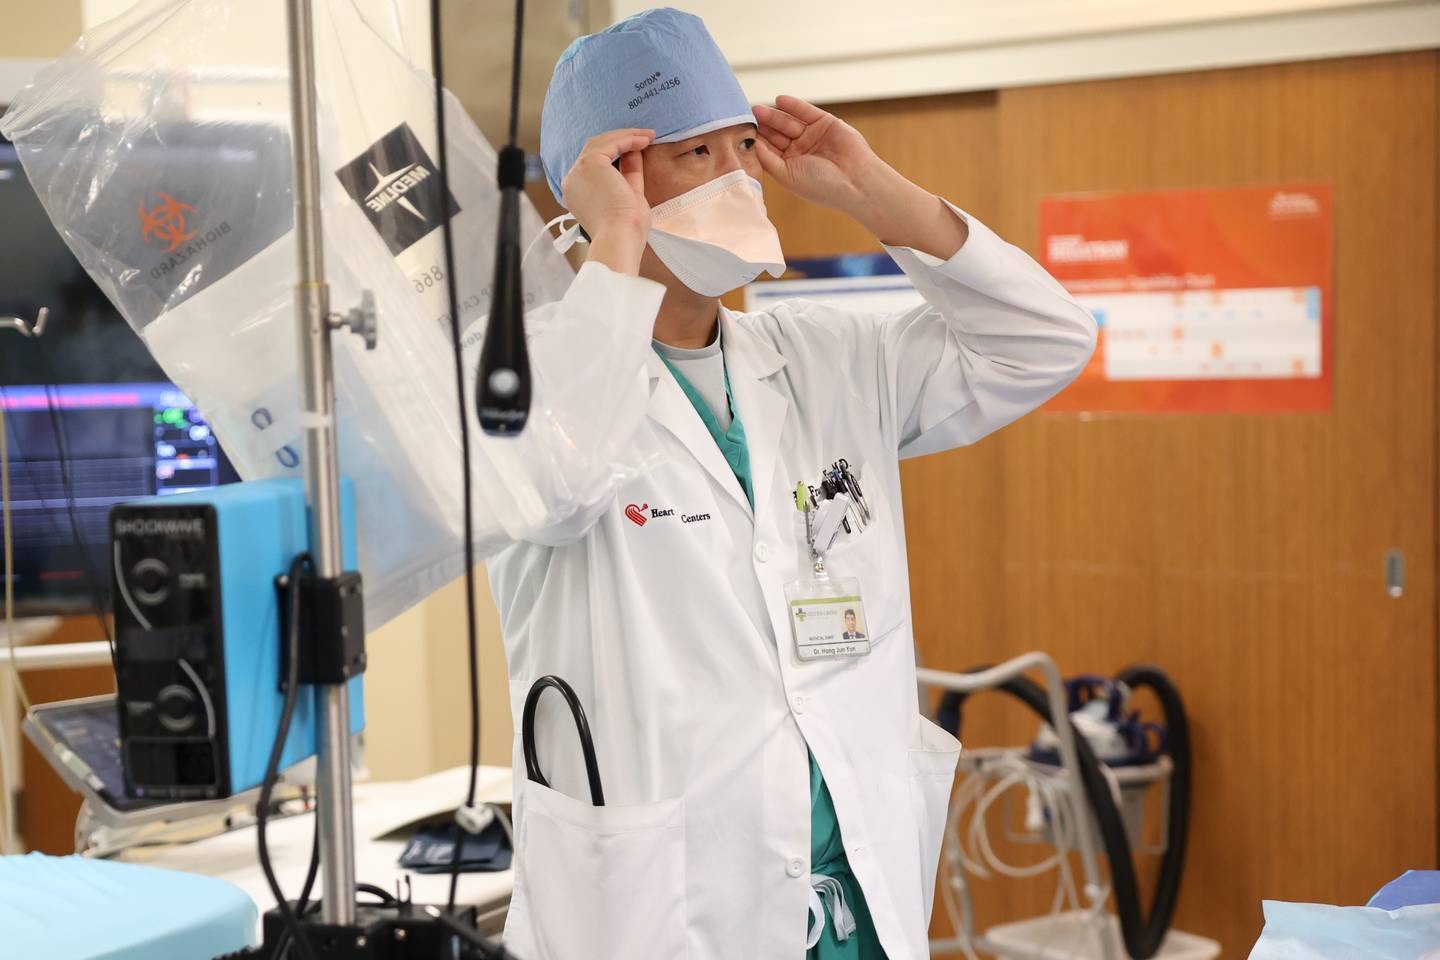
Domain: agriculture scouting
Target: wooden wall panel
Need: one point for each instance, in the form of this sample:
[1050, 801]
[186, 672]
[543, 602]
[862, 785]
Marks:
[1245, 554]
[1242, 554]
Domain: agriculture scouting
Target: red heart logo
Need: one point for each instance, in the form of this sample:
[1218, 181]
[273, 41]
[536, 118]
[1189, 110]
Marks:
[637, 513]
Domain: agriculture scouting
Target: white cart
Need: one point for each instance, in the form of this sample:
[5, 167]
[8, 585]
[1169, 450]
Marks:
[1057, 816]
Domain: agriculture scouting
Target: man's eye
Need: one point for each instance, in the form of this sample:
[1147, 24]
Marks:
[701, 151]
[748, 143]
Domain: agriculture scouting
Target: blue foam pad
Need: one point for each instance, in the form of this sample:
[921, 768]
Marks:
[71, 908]
[1411, 888]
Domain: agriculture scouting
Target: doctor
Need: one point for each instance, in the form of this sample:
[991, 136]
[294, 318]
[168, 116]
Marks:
[759, 804]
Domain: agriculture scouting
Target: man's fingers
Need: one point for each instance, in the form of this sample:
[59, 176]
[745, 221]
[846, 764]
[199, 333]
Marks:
[770, 160]
[799, 109]
[603, 157]
[615, 142]
[632, 168]
[611, 150]
[773, 137]
[625, 133]
[779, 120]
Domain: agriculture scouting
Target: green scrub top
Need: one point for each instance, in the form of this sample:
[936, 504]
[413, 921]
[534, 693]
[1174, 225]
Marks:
[827, 850]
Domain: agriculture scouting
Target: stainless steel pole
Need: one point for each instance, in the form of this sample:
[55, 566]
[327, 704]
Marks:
[322, 475]
[1096, 892]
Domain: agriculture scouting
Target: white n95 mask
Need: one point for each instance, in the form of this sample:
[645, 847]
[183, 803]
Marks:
[717, 237]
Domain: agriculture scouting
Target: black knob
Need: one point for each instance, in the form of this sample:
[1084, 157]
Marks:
[177, 708]
[150, 579]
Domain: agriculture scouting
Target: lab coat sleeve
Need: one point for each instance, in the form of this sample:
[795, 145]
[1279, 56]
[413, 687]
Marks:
[997, 337]
[552, 482]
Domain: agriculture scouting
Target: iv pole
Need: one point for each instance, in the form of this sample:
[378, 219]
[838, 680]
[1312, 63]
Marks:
[335, 810]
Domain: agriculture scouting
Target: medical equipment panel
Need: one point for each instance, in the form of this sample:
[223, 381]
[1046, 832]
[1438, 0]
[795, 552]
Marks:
[198, 636]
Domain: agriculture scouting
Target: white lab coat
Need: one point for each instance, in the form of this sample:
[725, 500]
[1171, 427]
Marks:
[675, 635]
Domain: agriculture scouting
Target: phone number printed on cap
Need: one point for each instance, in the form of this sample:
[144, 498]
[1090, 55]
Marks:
[654, 90]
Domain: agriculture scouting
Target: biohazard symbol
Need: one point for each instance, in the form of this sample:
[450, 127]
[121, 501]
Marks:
[166, 222]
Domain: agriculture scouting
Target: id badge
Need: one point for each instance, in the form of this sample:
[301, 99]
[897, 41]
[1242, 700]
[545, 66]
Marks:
[827, 618]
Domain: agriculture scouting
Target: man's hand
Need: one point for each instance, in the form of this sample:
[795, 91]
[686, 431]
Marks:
[813, 154]
[821, 158]
[609, 202]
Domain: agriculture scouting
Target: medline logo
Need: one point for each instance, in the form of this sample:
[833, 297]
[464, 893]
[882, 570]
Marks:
[1294, 205]
[166, 527]
[394, 182]
[1074, 248]
[392, 188]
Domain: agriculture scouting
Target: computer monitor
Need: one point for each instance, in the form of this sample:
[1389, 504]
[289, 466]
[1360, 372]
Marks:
[124, 429]
[120, 441]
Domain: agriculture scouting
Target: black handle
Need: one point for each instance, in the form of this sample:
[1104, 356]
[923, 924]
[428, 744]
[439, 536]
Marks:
[502, 391]
[582, 727]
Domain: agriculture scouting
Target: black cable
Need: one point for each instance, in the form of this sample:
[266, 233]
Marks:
[582, 727]
[304, 906]
[277, 749]
[314, 865]
[515, 72]
[62, 444]
[486, 948]
[380, 893]
[282, 946]
[437, 64]
[438, 68]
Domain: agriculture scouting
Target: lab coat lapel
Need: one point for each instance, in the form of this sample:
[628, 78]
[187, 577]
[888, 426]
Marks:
[760, 407]
[670, 408]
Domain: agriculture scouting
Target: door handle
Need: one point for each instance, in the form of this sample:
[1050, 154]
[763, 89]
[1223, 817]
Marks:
[1395, 574]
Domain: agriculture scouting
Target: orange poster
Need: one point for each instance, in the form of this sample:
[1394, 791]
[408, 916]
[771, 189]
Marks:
[1208, 301]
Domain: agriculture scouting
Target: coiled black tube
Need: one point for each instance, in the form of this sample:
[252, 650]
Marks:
[1177, 734]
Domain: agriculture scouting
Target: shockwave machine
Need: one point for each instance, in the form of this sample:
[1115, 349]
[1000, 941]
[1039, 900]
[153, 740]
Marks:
[200, 628]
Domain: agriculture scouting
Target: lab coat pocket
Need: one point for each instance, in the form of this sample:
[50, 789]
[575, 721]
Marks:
[600, 881]
[933, 758]
[874, 556]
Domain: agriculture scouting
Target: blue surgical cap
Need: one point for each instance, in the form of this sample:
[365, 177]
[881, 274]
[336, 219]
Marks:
[656, 70]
